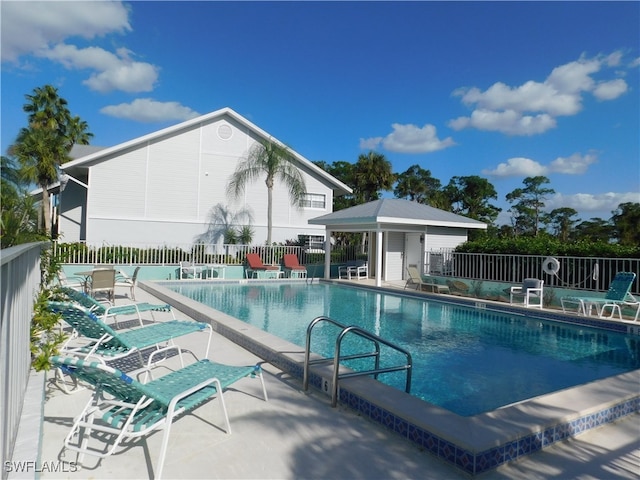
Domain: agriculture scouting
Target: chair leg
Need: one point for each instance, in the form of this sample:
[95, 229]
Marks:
[163, 448]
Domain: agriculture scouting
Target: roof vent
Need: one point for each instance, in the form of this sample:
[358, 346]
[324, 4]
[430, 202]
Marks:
[225, 132]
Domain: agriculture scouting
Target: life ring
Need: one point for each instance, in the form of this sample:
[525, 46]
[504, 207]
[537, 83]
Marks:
[551, 266]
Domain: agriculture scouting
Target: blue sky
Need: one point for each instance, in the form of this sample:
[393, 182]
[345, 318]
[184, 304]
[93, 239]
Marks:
[503, 90]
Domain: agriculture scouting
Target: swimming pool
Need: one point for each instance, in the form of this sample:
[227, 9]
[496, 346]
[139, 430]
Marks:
[466, 360]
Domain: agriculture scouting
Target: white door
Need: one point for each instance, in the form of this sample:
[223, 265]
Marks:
[394, 256]
[413, 252]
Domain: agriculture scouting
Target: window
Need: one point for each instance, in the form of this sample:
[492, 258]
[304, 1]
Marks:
[312, 243]
[313, 200]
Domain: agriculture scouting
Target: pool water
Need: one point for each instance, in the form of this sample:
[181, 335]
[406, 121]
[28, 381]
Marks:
[465, 360]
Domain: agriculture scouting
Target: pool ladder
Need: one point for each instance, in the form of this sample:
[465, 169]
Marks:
[375, 340]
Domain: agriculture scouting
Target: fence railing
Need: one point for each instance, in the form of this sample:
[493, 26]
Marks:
[232, 254]
[580, 273]
[19, 284]
[576, 273]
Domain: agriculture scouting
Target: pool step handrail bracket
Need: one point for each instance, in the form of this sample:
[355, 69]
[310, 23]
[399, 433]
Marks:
[352, 329]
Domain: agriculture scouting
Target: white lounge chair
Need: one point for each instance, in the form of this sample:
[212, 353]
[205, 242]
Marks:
[414, 278]
[616, 297]
[132, 409]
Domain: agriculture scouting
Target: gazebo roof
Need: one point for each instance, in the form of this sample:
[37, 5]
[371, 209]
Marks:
[393, 214]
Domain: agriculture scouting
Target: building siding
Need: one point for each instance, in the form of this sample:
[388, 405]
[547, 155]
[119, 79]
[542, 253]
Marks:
[165, 190]
[444, 237]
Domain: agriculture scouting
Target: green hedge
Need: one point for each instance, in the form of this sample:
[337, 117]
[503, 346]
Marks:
[548, 246]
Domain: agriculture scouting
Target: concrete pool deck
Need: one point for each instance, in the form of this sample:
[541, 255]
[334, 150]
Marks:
[298, 435]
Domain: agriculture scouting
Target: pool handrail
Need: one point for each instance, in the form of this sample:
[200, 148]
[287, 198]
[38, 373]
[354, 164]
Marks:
[377, 340]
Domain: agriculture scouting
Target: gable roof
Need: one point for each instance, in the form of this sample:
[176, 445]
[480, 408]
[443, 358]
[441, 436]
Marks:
[393, 212]
[79, 151]
[103, 154]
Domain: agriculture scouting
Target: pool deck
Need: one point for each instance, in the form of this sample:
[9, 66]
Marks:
[294, 435]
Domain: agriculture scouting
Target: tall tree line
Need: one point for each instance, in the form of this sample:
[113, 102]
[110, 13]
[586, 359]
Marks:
[472, 195]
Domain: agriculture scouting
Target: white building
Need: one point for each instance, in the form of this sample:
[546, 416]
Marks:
[402, 234]
[161, 188]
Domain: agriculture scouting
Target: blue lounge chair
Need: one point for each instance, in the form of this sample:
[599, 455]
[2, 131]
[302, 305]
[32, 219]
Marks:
[106, 343]
[105, 311]
[617, 296]
[134, 409]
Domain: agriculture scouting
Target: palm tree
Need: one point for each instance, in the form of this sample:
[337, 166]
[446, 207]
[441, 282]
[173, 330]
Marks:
[372, 174]
[45, 144]
[77, 133]
[39, 151]
[274, 162]
[46, 108]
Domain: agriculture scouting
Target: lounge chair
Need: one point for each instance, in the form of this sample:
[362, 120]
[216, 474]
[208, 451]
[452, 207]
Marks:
[414, 278]
[255, 265]
[78, 283]
[107, 310]
[130, 282]
[105, 343]
[135, 409]
[530, 289]
[292, 266]
[616, 297]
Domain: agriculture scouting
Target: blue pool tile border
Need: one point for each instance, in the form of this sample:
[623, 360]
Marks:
[472, 463]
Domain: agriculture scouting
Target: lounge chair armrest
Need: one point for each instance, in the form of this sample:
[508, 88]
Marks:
[193, 390]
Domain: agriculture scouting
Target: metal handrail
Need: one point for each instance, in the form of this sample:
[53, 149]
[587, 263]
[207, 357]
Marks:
[377, 340]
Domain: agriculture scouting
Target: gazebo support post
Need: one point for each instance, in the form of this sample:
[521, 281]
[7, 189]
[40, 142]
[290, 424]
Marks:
[379, 258]
[327, 254]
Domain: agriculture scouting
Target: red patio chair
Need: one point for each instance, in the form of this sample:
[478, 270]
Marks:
[292, 265]
[254, 264]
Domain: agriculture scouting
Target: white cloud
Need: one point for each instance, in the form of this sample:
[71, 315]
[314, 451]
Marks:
[610, 90]
[409, 139]
[614, 59]
[532, 107]
[518, 167]
[370, 143]
[575, 164]
[28, 27]
[41, 29]
[510, 122]
[113, 71]
[587, 202]
[149, 110]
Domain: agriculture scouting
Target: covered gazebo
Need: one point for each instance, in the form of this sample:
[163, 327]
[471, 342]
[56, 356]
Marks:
[400, 231]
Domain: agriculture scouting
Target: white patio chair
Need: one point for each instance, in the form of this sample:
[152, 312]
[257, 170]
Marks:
[530, 289]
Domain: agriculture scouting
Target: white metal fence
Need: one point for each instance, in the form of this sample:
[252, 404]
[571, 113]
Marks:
[20, 282]
[579, 273]
[132, 254]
